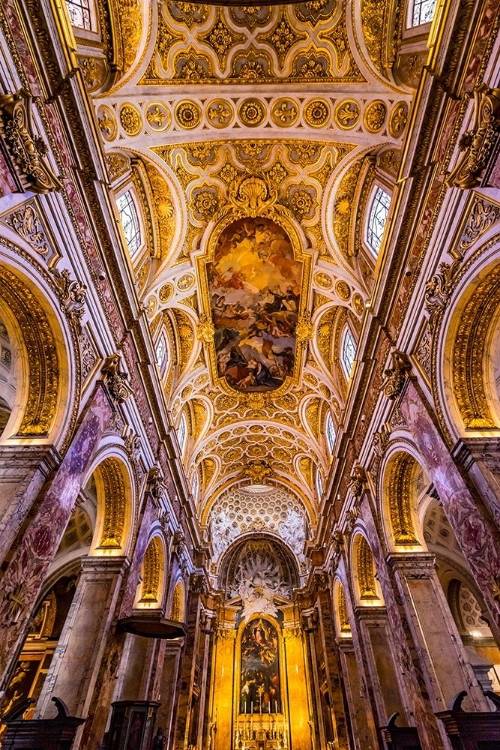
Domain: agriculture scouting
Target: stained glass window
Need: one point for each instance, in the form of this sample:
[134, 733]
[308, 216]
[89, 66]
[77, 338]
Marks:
[377, 219]
[330, 432]
[348, 353]
[130, 221]
[161, 352]
[319, 483]
[182, 433]
[79, 13]
[423, 11]
[195, 486]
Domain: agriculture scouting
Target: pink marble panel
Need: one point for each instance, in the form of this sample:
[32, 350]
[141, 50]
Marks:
[28, 567]
[475, 534]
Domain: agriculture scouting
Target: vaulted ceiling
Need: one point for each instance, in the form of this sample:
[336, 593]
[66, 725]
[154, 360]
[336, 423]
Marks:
[288, 112]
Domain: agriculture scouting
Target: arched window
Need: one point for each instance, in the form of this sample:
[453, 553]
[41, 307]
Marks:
[182, 433]
[423, 12]
[377, 219]
[79, 13]
[331, 434]
[130, 221]
[161, 353]
[319, 483]
[195, 484]
[348, 351]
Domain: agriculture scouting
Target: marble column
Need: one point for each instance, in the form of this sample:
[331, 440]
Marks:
[374, 630]
[405, 656]
[363, 731]
[30, 562]
[167, 689]
[476, 533]
[310, 620]
[75, 668]
[24, 469]
[187, 673]
[332, 669]
[444, 662]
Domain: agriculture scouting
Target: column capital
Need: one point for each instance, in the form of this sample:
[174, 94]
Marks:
[104, 566]
[412, 564]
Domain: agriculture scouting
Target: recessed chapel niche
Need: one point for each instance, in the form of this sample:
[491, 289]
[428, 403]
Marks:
[254, 284]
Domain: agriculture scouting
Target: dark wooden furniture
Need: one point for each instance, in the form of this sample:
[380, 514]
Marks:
[132, 725]
[35, 734]
[472, 730]
[400, 738]
[150, 623]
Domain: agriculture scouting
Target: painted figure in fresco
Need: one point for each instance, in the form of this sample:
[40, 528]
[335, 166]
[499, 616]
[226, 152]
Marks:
[254, 284]
[260, 688]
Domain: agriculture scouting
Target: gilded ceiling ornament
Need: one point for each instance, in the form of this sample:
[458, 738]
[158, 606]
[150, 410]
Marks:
[187, 115]
[323, 173]
[185, 282]
[347, 114]
[358, 304]
[253, 195]
[194, 67]
[482, 216]
[151, 306]
[397, 375]
[130, 119]
[27, 223]
[323, 280]
[71, 295]
[343, 206]
[252, 112]
[143, 275]
[305, 329]
[302, 202]
[114, 503]
[477, 144]
[285, 112]
[250, 150]
[116, 380]
[339, 39]
[251, 66]
[255, 401]
[282, 37]
[304, 152]
[401, 484]
[317, 113]
[390, 161]
[228, 173]
[373, 25]
[220, 113]
[311, 65]
[204, 202]
[106, 121]
[221, 39]
[202, 154]
[374, 117]
[94, 71]
[250, 15]
[117, 165]
[343, 290]
[165, 39]
[277, 173]
[314, 11]
[258, 471]
[398, 119]
[188, 13]
[205, 331]
[26, 149]
[358, 481]
[158, 116]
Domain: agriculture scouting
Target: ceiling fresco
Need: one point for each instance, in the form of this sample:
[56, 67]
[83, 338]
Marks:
[253, 137]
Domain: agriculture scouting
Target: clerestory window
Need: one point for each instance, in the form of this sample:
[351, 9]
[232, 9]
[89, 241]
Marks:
[79, 13]
[423, 12]
[377, 219]
[348, 352]
[319, 483]
[130, 221]
[331, 434]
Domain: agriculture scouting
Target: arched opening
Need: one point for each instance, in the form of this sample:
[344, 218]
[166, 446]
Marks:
[363, 567]
[178, 606]
[343, 626]
[403, 484]
[150, 594]
[464, 599]
[111, 484]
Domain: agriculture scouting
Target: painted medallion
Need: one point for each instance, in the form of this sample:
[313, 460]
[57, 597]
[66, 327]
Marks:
[254, 284]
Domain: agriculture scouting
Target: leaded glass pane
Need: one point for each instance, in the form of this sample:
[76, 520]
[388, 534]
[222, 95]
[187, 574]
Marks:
[319, 483]
[79, 13]
[377, 219]
[330, 432]
[181, 433]
[130, 221]
[161, 351]
[423, 11]
[348, 353]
